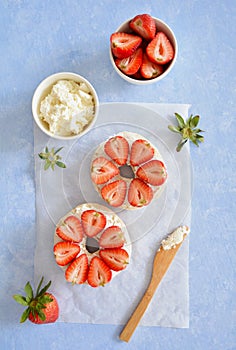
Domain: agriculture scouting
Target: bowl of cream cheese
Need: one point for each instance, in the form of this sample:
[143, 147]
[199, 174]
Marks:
[65, 105]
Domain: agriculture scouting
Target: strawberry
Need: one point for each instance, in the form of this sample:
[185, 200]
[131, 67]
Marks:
[117, 148]
[103, 170]
[41, 308]
[112, 237]
[77, 271]
[141, 151]
[130, 65]
[99, 273]
[71, 230]
[153, 172]
[123, 44]
[140, 194]
[65, 252]
[115, 258]
[144, 25]
[114, 193]
[150, 70]
[160, 49]
[93, 222]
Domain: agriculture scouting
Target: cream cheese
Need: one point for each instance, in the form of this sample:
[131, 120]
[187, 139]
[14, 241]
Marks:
[68, 108]
[176, 237]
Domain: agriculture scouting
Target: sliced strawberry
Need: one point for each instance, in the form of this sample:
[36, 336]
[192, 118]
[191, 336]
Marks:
[77, 271]
[123, 44]
[117, 148]
[65, 252]
[114, 193]
[112, 237]
[140, 194]
[144, 25]
[99, 273]
[71, 230]
[103, 170]
[115, 258]
[150, 70]
[93, 222]
[153, 172]
[130, 65]
[160, 49]
[141, 151]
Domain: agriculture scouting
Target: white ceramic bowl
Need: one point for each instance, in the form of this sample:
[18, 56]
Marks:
[44, 89]
[161, 27]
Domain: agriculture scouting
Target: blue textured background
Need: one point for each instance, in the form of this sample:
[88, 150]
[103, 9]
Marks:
[39, 38]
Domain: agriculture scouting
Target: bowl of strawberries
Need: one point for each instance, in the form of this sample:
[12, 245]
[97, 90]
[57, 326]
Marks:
[143, 50]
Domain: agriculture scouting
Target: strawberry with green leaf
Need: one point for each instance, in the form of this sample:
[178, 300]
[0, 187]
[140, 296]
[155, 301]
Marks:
[41, 307]
[188, 130]
[51, 158]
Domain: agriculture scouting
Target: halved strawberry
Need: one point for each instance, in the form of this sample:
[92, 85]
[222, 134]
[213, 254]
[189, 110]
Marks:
[130, 65]
[77, 271]
[99, 273]
[93, 222]
[150, 70]
[116, 259]
[153, 172]
[160, 49]
[103, 170]
[65, 252]
[117, 148]
[71, 230]
[114, 193]
[123, 44]
[141, 151]
[144, 25]
[112, 237]
[140, 194]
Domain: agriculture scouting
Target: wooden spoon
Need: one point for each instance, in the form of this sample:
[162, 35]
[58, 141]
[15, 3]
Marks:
[161, 263]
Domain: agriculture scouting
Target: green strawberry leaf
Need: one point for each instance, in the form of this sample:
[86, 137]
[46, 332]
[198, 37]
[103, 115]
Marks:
[25, 315]
[194, 121]
[29, 290]
[20, 299]
[180, 120]
[44, 289]
[174, 128]
[60, 164]
[39, 286]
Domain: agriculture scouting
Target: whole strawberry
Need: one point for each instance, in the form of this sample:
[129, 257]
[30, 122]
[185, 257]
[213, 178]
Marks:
[41, 307]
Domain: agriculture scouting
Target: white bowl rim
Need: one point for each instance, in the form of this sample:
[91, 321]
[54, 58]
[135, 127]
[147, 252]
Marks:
[58, 76]
[147, 81]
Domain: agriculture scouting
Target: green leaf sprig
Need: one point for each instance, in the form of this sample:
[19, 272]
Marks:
[35, 303]
[51, 158]
[188, 130]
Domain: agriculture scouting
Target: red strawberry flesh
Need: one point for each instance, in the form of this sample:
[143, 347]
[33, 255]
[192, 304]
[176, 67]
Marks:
[99, 273]
[153, 172]
[116, 259]
[140, 194]
[160, 49]
[103, 170]
[141, 151]
[150, 70]
[65, 252]
[117, 148]
[51, 311]
[77, 271]
[93, 222]
[112, 237]
[144, 25]
[114, 193]
[71, 230]
[123, 44]
[130, 65]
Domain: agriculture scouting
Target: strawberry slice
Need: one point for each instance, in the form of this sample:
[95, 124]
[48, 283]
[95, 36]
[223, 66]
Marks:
[130, 65]
[160, 49]
[123, 44]
[112, 237]
[115, 258]
[103, 170]
[144, 25]
[150, 70]
[71, 230]
[93, 222]
[140, 194]
[65, 252]
[117, 148]
[99, 273]
[141, 151]
[77, 271]
[114, 193]
[153, 172]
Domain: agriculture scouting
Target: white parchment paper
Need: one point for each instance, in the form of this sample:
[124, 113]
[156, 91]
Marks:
[59, 191]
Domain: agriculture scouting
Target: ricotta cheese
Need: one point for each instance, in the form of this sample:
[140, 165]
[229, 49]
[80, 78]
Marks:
[175, 237]
[68, 108]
